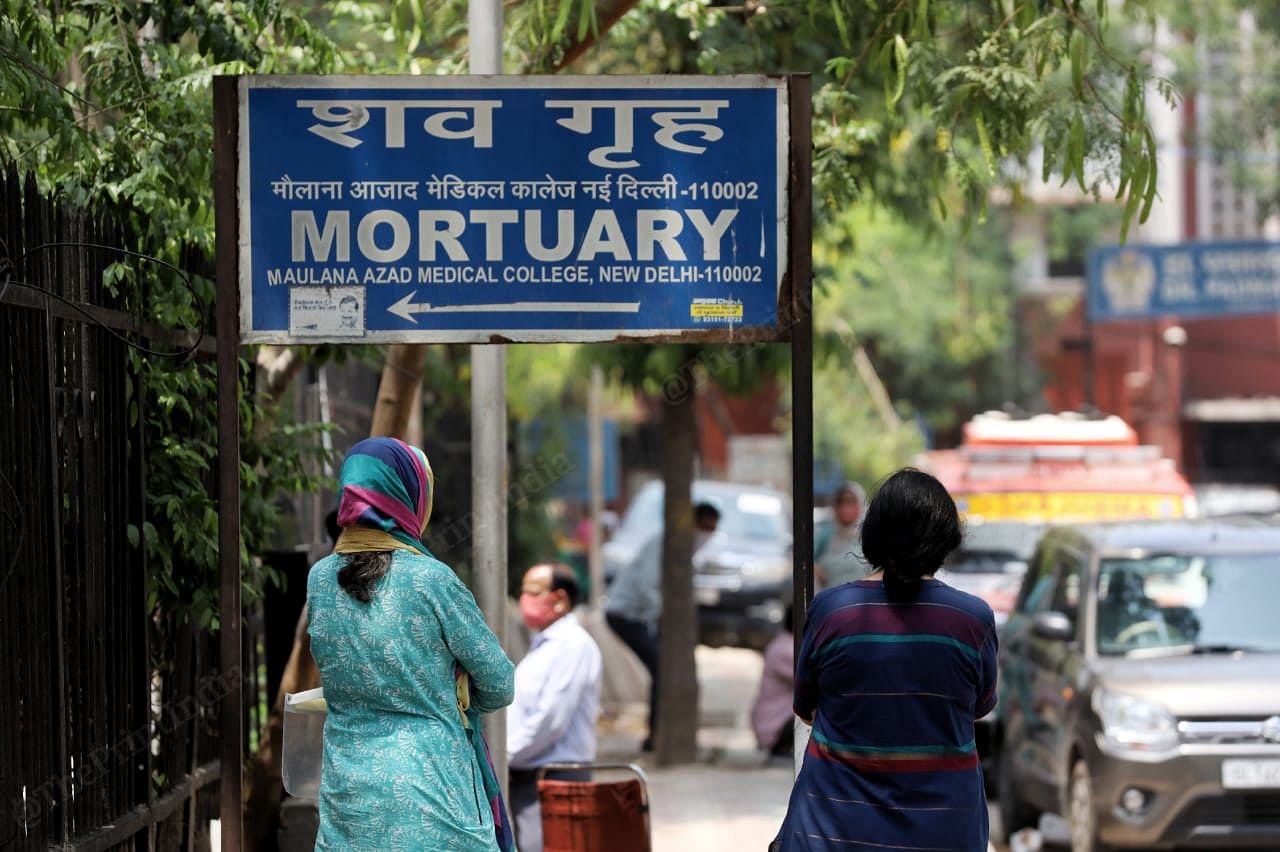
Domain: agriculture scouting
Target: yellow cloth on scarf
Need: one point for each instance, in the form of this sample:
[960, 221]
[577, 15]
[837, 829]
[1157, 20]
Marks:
[362, 539]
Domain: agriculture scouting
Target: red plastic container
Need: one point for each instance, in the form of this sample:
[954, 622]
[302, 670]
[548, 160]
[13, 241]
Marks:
[593, 816]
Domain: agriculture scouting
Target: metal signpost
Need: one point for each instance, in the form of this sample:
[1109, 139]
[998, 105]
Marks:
[1184, 280]
[489, 473]
[508, 209]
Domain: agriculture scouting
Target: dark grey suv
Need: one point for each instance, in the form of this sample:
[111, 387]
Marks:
[1140, 686]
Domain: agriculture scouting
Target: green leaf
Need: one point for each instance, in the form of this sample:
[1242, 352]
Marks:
[921, 28]
[842, 26]
[900, 59]
[984, 141]
[1135, 195]
[1077, 148]
[1077, 63]
[562, 19]
[1152, 177]
[585, 14]
[135, 538]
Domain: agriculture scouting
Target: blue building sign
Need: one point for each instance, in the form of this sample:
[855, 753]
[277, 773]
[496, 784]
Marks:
[465, 209]
[1184, 280]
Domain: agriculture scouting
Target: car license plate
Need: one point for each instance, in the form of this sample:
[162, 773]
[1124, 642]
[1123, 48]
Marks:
[706, 597]
[1251, 774]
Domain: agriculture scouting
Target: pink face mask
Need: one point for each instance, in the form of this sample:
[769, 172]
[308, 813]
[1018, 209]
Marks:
[538, 611]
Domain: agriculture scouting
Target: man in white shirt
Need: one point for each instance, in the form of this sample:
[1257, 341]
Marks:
[557, 701]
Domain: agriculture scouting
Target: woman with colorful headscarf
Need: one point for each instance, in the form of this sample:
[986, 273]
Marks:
[408, 665]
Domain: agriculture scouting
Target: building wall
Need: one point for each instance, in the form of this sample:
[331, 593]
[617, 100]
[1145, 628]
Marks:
[1128, 368]
[721, 416]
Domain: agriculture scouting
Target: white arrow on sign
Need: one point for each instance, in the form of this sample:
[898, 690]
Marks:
[405, 308]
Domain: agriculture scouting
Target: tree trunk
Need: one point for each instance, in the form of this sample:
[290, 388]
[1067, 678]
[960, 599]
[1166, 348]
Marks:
[676, 735]
[398, 389]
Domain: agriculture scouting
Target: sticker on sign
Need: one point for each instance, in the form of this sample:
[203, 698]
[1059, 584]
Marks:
[1251, 774]
[326, 312]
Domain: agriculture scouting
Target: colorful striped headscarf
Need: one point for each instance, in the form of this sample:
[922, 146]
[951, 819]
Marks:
[386, 489]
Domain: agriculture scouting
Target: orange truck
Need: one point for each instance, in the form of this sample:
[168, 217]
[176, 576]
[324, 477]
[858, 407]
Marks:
[1058, 468]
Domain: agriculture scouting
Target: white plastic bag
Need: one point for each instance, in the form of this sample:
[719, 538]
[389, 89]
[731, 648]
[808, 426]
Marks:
[303, 751]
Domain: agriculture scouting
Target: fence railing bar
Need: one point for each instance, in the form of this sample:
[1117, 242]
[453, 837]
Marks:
[59, 565]
[144, 816]
[29, 297]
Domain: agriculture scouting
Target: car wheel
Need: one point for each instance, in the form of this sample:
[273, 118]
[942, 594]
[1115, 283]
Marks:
[1014, 813]
[1082, 814]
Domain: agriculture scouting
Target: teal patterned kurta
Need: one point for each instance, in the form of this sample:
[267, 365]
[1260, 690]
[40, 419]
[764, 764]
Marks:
[399, 770]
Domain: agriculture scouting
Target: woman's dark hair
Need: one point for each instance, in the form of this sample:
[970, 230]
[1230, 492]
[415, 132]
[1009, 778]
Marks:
[911, 526]
[361, 571]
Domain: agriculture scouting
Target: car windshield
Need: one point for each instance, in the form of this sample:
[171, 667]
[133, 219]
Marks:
[1189, 604]
[967, 561]
[995, 548]
[748, 514]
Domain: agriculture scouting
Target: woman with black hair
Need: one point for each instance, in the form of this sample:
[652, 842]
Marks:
[892, 672]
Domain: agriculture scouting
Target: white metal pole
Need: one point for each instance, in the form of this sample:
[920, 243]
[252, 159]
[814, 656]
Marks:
[489, 426]
[484, 22]
[595, 440]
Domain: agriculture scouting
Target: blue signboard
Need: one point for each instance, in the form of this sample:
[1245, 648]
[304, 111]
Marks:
[466, 209]
[1184, 280]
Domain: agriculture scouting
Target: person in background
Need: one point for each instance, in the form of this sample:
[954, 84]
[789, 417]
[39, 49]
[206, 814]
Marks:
[771, 716]
[837, 557]
[557, 700]
[634, 602]
[408, 665]
[892, 672]
[582, 530]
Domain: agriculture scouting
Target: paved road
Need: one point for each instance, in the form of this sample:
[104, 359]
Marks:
[734, 798]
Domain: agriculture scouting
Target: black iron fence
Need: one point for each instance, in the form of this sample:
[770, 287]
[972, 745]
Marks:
[108, 708]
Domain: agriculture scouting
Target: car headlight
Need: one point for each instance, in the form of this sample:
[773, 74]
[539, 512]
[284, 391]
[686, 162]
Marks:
[1134, 725]
[766, 570]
